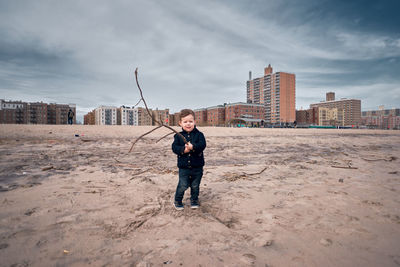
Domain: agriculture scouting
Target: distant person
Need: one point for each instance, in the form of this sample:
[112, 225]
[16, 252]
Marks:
[70, 116]
[190, 159]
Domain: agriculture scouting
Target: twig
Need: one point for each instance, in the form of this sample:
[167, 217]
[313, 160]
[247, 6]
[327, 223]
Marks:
[258, 172]
[245, 175]
[47, 168]
[388, 159]
[144, 135]
[175, 131]
[344, 167]
[140, 172]
[140, 100]
[164, 137]
[124, 165]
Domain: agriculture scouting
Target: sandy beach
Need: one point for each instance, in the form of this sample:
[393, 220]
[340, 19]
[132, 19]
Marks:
[74, 196]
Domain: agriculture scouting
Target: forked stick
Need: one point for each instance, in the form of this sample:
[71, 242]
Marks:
[159, 122]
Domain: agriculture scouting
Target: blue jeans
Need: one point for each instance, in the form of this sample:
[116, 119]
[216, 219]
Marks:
[189, 178]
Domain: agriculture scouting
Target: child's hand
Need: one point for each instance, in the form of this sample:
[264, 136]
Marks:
[188, 147]
[187, 150]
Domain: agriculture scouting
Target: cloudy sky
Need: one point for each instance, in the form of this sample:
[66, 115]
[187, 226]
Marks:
[197, 53]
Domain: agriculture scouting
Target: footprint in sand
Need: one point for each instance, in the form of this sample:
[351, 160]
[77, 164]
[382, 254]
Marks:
[248, 258]
[326, 242]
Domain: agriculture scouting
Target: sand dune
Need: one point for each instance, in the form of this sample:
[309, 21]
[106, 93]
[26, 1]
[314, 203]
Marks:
[74, 196]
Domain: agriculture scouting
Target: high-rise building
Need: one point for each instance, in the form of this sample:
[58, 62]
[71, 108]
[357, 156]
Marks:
[351, 109]
[277, 91]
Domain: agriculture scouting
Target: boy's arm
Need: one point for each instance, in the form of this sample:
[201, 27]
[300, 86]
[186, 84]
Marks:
[177, 147]
[200, 144]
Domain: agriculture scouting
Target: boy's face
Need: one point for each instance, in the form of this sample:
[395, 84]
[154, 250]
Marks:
[187, 123]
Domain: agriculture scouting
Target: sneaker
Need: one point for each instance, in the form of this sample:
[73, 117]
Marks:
[178, 205]
[194, 204]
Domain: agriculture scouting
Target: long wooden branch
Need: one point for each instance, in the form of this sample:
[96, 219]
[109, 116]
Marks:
[159, 122]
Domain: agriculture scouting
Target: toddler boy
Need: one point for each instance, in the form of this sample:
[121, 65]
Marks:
[190, 159]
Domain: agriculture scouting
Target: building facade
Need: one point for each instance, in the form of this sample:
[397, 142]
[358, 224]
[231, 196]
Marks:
[216, 116]
[201, 116]
[330, 117]
[12, 112]
[277, 92]
[307, 117]
[381, 119]
[143, 117]
[320, 116]
[37, 113]
[89, 119]
[174, 119]
[106, 115]
[128, 116]
[161, 115]
[58, 113]
[351, 109]
[34, 113]
[244, 114]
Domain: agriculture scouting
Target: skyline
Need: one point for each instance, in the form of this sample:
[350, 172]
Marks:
[197, 55]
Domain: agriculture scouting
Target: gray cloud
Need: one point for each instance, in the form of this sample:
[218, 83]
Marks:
[195, 54]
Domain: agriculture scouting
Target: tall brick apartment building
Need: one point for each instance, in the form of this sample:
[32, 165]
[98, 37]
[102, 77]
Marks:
[277, 92]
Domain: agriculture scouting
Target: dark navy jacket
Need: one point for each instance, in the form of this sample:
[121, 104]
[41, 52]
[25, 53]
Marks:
[194, 158]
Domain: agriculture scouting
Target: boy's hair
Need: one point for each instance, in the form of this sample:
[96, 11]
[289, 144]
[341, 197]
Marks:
[186, 112]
